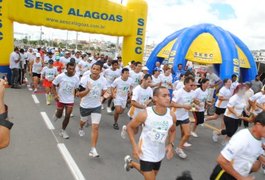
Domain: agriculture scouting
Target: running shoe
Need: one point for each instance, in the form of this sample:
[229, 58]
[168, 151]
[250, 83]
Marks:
[81, 132]
[109, 110]
[35, 90]
[215, 136]
[127, 161]
[93, 153]
[181, 153]
[124, 132]
[186, 144]
[116, 126]
[48, 102]
[64, 134]
[194, 134]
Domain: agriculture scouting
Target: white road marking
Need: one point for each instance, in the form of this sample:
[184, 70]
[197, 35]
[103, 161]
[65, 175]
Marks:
[47, 120]
[35, 99]
[70, 162]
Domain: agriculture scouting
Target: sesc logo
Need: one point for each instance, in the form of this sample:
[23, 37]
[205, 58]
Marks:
[207, 56]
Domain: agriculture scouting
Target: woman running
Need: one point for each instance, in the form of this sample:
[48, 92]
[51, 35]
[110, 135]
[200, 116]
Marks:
[35, 71]
[200, 95]
[48, 74]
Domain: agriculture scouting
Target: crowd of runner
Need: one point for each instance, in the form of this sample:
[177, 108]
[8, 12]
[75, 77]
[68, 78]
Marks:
[158, 103]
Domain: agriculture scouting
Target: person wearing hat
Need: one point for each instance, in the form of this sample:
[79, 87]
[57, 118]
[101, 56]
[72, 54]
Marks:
[47, 57]
[48, 74]
[35, 71]
[145, 70]
[243, 154]
[59, 65]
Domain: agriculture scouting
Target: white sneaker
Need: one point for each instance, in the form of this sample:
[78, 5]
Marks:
[81, 132]
[215, 136]
[35, 90]
[48, 102]
[71, 115]
[123, 132]
[64, 134]
[109, 110]
[194, 134]
[181, 153]
[127, 161]
[93, 153]
[186, 144]
[102, 107]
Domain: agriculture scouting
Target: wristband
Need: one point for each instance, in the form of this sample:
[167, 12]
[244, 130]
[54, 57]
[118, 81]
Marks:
[6, 124]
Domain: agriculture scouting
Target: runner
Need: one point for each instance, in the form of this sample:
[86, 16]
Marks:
[158, 125]
[233, 113]
[156, 80]
[66, 58]
[82, 66]
[243, 154]
[166, 79]
[35, 71]
[48, 74]
[59, 65]
[136, 74]
[110, 74]
[141, 98]
[77, 57]
[249, 93]
[182, 100]
[179, 84]
[234, 83]
[63, 90]
[200, 95]
[221, 104]
[90, 90]
[120, 88]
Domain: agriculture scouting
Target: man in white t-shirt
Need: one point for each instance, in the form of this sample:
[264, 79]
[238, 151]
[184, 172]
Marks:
[110, 74]
[66, 58]
[91, 89]
[136, 74]
[243, 154]
[141, 97]
[64, 87]
[14, 66]
[77, 57]
[182, 100]
[234, 84]
[121, 87]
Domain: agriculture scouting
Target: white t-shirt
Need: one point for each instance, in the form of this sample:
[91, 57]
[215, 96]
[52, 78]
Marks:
[233, 86]
[226, 93]
[67, 86]
[165, 80]
[213, 78]
[260, 101]
[202, 97]
[249, 93]
[243, 149]
[236, 102]
[156, 80]
[49, 73]
[136, 77]
[30, 56]
[64, 60]
[141, 96]
[111, 75]
[37, 67]
[93, 98]
[122, 87]
[256, 96]
[180, 85]
[14, 57]
[84, 67]
[182, 97]
[77, 60]
[47, 58]
[154, 135]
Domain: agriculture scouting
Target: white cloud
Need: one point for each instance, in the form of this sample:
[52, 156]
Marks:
[168, 16]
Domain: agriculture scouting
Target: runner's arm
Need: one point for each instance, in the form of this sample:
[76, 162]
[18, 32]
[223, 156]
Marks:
[172, 130]
[134, 124]
[228, 167]
[138, 105]
[82, 91]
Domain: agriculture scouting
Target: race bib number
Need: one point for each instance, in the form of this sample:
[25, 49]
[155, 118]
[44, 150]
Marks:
[158, 136]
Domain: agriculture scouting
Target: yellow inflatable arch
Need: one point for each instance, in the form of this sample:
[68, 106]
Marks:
[93, 16]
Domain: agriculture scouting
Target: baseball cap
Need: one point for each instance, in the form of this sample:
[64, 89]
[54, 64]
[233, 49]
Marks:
[37, 55]
[57, 57]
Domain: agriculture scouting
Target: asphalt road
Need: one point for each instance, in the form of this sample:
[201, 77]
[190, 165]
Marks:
[34, 153]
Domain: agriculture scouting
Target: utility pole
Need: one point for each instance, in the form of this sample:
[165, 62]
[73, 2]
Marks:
[117, 42]
[41, 33]
[66, 46]
[76, 41]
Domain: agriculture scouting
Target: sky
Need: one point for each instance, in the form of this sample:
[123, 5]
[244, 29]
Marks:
[243, 18]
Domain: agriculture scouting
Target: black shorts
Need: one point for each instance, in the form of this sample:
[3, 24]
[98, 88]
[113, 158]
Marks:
[87, 111]
[186, 121]
[219, 111]
[219, 173]
[199, 117]
[35, 75]
[149, 166]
